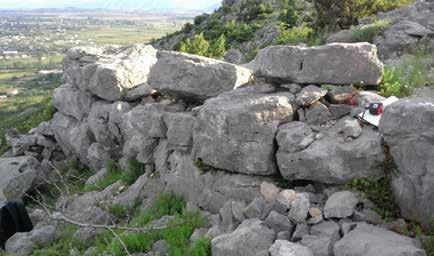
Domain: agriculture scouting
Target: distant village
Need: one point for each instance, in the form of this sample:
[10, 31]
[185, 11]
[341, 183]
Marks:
[40, 34]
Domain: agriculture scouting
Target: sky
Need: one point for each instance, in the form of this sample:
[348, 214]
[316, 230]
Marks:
[112, 4]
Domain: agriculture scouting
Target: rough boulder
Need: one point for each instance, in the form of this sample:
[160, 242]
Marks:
[195, 78]
[332, 64]
[109, 72]
[408, 129]
[236, 130]
[328, 156]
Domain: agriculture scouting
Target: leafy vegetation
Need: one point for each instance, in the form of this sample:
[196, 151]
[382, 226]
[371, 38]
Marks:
[177, 233]
[380, 193]
[367, 33]
[295, 35]
[345, 13]
[411, 72]
[115, 173]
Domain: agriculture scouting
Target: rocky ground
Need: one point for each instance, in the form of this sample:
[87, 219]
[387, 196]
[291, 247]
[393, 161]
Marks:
[268, 154]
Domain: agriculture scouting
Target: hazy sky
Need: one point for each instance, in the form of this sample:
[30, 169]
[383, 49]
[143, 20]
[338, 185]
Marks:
[116, 4]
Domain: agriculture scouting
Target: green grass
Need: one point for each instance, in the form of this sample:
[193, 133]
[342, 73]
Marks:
[63, 245]
[116, 173]
[32, 63]
[411, 72]
[367, 33]
[177, 234]
[380, 193]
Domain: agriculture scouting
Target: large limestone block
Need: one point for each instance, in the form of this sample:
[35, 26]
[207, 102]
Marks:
[333, 64]
[252, 237]
[142, 127]
[72, 136]
[236, 130]
[369, 240]
[70, 101]
[195, 78]
[179, 130]
[109, 71]
[209, 190]
[408, 129]
[105, 120]
[18, 175]
[328, 157]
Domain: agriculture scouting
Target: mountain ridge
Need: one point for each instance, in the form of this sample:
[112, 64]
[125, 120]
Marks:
[126, 5]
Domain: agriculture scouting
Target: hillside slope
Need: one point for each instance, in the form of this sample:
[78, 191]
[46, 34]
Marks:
[246, 26]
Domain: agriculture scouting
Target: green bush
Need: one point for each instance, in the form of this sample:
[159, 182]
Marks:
[239, 32]
[294, 35]
[218, 48]
[289, 15]
[367, 33]
[253, 9]
[393, 84]
[411, 72]
[196, 45]
[345, 13]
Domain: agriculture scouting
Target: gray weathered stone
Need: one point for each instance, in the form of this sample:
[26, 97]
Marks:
[25, 243]
[236, 130]
[105, 120]
[318, 114]
[299, 208]
[309, 95]
[340, 94]
[190, 77]
[407, 128]
[179, 130]
[228, 221]
[279, 222]
[330, 159]
[257, 209]
[110, 71]
[209, 190]
[139, 92]
[72, 136]
[357, 64]
[339, 111]
[401, 37]
[70, 101]
[320, 245]
[350, 128]
[294, 136]
[327, 228]
[251, 237]
[285, 248]
[301, 230]
[369, 240]
[269, 191]
[343, 36]
[18, 175]
[340, 205]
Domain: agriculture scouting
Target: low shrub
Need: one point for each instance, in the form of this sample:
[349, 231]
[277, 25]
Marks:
[411, 72]
[345, 13]
[380, 193]
[367, 33]
[294, 35]
[115, 173]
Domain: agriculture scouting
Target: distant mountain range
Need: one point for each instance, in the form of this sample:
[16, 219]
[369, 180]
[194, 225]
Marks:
[127, 5]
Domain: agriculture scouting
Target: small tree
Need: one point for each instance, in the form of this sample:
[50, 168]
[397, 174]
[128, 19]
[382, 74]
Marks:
[218, 47]
[197, 45]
